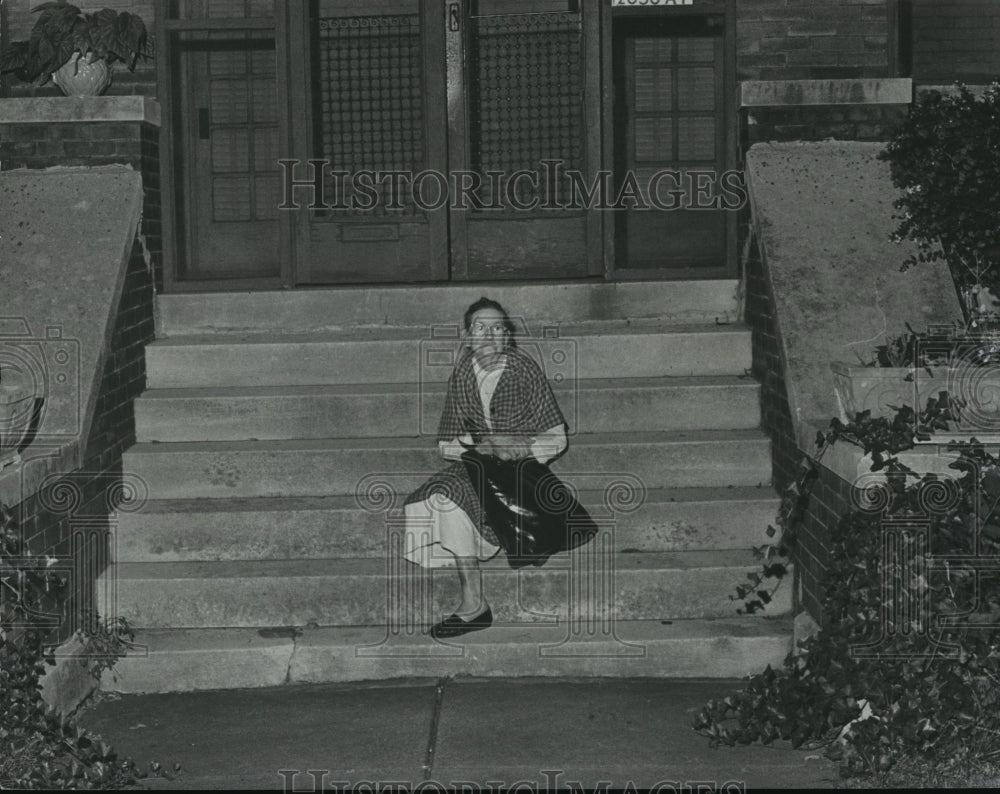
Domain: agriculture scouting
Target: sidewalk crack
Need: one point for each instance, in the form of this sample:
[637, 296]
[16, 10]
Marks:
[435, 722]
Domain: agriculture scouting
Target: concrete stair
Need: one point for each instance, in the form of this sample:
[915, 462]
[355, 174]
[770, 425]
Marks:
[281, 431]
[290, 528]
[328, 467]
[413, 355]
[399, 409]
[356, 592]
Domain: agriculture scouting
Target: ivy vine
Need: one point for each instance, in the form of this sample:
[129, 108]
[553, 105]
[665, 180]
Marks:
[39, 747]
[874, 685]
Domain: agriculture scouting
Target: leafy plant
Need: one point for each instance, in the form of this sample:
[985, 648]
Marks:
[40, 748]
[946, 158]
[877, 684]
[63, 29]
[945, 346]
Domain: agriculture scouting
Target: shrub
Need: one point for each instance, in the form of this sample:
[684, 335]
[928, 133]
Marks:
[945, 157]
[40, 748]
[923, 690]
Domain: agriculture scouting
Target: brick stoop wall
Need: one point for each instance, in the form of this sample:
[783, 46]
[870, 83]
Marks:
[44, 144]
[829, 495]
[68, 518]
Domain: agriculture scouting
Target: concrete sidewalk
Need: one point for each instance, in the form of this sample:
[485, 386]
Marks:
[548, 733]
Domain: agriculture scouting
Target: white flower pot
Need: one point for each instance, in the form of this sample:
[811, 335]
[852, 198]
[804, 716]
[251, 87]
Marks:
[79, 76]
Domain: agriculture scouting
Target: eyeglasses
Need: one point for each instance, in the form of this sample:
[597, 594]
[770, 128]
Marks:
[481, 329]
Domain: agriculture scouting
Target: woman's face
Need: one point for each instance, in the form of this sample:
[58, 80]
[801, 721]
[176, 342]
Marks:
[487, 333]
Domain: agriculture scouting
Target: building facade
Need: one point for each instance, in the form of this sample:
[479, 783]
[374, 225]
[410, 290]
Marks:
[498, 139]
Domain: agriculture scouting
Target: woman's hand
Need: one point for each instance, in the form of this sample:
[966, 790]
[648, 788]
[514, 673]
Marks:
[506, 447]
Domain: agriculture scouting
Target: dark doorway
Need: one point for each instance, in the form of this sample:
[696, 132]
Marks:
[670, 140]
[226, 147]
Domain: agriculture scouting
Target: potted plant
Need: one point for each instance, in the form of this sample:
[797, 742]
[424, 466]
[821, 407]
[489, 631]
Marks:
[945, 157]
[75, 49]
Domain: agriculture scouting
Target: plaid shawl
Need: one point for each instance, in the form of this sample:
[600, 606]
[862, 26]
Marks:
[523, 404]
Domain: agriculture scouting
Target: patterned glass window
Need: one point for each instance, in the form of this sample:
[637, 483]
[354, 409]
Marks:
[526, 88]
[368, 100]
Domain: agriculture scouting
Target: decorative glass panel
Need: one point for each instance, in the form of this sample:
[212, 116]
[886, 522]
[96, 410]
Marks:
[368, 98]
[654, 139]
[654, 90]
[526, 92]
[231, 150]
[696, 137]
[696, 49]
[231, 198]
[696, 89]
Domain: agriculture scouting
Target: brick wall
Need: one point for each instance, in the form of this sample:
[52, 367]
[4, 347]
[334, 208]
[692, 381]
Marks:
[829, 496]
[68, 519]
[776, 418]
[18, 20]
[818, 122]
[812, 39]
[956, 40]
[829, 500]
[43, 145]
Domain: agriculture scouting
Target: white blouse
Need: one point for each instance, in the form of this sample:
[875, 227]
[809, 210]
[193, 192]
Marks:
[544, 446]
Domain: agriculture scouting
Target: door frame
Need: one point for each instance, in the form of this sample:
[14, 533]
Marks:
[171, 148]
[726, 9]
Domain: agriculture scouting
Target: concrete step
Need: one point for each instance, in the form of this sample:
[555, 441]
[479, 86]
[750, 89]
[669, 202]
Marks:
[295, 311]
[186, 660]
[334, 467]
[591, 583]
[400, 355]
[244, 413]
[328, 527]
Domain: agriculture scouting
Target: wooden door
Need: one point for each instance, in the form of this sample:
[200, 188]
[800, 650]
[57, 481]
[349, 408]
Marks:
[227, 115]
[368, 95]
[451, 91]
[670, 128]
[524, 86]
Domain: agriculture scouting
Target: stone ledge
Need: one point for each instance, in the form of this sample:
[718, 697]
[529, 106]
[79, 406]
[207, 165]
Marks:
[60, 109]
[787, 93]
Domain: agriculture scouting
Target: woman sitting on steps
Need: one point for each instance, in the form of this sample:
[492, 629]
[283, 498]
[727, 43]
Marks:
[499, 402]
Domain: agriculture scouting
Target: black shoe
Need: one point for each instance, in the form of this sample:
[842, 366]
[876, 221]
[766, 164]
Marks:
[455, 626]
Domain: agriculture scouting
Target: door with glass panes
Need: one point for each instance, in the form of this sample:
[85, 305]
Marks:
[462, 121]
[427, 112]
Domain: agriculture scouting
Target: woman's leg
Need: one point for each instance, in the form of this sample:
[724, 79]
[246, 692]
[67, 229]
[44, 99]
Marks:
[470, 576]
